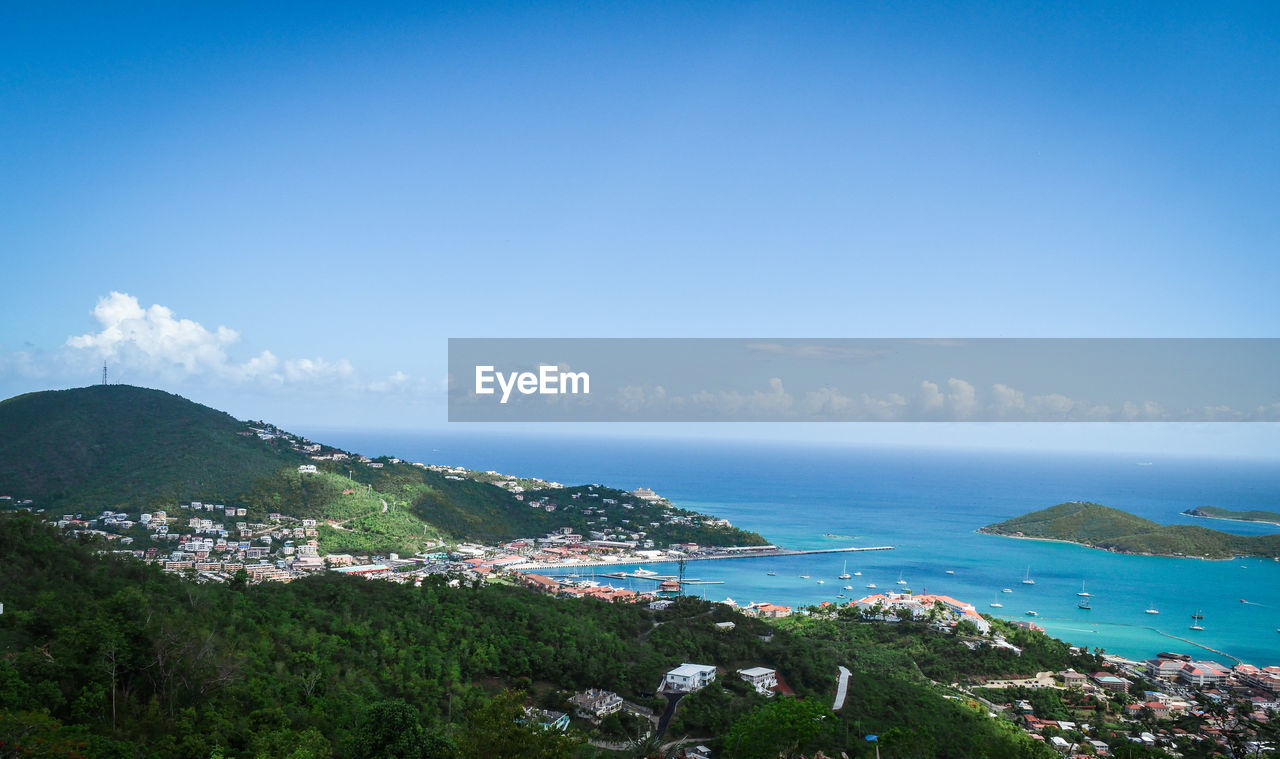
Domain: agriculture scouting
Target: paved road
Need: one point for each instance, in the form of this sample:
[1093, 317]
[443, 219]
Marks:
[842, 689]
[672, 700]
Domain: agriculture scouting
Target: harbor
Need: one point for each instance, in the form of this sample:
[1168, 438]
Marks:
[750, 552]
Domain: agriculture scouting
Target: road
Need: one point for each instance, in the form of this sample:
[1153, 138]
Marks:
[672, 700]
[842, 689]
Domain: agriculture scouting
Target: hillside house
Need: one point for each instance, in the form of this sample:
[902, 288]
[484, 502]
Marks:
[763, 679]
[595, 704]
[688, 678]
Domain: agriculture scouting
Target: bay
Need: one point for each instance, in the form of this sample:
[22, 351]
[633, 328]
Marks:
[927, 503]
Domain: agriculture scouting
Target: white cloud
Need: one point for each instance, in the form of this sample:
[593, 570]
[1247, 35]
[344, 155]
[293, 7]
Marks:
[153, 340]
[153, 337]
[954, 401]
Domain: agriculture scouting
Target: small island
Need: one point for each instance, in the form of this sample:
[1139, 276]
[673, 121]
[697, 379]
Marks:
[1216, 512]
[1098, 526]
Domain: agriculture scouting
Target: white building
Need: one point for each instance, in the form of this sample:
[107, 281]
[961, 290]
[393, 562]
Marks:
[763, 679]
[306, 469]
[594, 704]
[688, 678]
[1202, 673]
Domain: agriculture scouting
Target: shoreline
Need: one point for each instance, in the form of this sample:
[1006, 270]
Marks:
[1231, 519]
[1101, 548]
[757, 554]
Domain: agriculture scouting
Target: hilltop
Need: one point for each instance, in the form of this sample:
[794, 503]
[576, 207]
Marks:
[1098, 526]
[135, 449]
[114, 445]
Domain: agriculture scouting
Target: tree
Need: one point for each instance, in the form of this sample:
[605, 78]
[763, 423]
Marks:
[785, 727]
[390, 730]
[502, 728]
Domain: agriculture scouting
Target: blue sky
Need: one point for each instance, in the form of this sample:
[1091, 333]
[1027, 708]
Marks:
[345, 188]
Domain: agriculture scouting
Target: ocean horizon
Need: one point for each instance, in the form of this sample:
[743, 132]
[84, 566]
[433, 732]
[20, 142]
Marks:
[928, 504]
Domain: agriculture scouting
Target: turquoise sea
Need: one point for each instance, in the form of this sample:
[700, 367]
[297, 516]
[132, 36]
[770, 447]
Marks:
[927, 504]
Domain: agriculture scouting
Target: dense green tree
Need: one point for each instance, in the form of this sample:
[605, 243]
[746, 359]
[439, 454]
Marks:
[391, 730]
[782, 728]
[503, 729]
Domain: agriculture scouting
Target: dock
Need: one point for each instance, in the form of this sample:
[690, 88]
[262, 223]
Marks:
[1236, 659]
[750, 552]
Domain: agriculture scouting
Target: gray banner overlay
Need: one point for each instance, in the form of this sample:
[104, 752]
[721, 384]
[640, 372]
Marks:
[856, 380]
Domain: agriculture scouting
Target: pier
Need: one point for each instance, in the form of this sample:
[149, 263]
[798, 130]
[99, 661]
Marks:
[1201, 645]
[752, 552]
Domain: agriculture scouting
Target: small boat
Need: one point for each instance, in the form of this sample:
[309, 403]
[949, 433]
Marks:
[1084, 604]
[1196, 624]
[821, 581]
[871, 585]
[997, 605]
[857, 574]
[1197, 615]
[848, 587]
[1152, 609]
[840, 595]
[1031, 613]
[1083, 593]
[900, 580]
[1027, 579]
[844, 573]
[1006, 590]
[642, 572]
[772, 574]
[804, 577]
[951, 571]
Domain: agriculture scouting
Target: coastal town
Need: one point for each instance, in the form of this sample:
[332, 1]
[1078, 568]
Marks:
[1170, 703]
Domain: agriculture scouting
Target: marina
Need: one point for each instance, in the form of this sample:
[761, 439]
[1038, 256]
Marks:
[749, 552]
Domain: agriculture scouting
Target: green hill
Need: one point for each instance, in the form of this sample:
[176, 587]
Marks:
[1099, 526]
[1216, 512]
[117, 445]
[131, 448]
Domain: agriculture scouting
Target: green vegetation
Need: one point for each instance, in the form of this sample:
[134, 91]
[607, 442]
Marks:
[1216, 512]
[128, 448]
[105, 656]
[1100, 526]
[121, 446]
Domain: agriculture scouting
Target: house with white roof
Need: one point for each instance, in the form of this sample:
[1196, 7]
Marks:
[763, 679]
[688, 678]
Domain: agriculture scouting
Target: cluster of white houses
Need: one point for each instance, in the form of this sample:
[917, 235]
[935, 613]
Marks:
[688, 678]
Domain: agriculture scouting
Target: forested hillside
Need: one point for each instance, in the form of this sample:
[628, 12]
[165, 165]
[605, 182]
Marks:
[107, 446]
[133, 449]
[109, 657]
